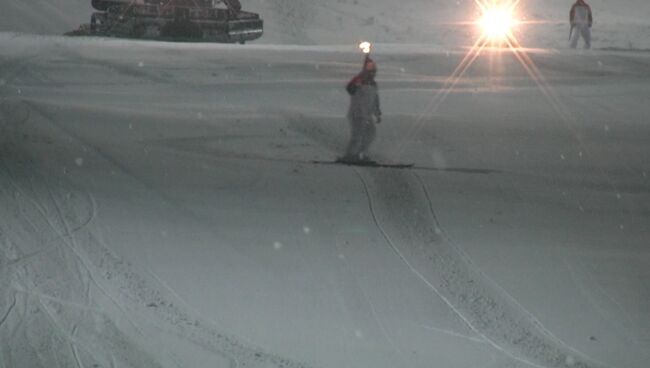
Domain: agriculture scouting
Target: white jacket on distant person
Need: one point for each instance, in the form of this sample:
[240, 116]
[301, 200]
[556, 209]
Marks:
[581, 21]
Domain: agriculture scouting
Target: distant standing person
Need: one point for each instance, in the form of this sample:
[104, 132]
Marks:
[581, 20]
[363, 114]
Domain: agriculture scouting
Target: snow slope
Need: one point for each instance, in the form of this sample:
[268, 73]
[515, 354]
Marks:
[618, 24]
[52, 17]
[159, 208]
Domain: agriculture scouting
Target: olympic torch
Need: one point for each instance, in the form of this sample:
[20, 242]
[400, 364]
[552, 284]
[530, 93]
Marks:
[365, 47]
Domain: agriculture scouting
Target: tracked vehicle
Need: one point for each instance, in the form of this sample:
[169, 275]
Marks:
[173, 20]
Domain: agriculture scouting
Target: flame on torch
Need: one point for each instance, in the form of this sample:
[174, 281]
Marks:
[365, 47]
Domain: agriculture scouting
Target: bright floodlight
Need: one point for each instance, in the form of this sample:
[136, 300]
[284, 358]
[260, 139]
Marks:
[365, 47]
[497, 23]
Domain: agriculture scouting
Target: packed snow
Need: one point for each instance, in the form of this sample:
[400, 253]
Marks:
[619, 24]
[159, 204]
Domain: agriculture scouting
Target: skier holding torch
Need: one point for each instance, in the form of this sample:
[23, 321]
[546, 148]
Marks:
[364, 111]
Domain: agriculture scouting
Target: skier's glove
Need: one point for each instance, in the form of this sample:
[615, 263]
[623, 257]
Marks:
[378, 119]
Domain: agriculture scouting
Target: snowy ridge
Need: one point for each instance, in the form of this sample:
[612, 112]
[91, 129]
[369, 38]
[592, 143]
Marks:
[620, 24]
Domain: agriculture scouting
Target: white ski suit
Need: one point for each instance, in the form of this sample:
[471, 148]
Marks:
[581, 20]
[363, 114]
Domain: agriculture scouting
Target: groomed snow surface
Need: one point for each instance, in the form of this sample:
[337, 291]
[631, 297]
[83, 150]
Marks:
[159, 206]
[159, 209]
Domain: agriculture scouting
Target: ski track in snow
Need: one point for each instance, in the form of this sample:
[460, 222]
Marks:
[9, 309]
[462, 266]
[68, 241]
[391, 243]
[203, 336]
[375, 315]
[67, 233]
[84, 261]
[484, 334]
[554, 352]
[512, 300]
[480, 340]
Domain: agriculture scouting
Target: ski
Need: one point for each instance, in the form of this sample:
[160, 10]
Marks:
[366, 164]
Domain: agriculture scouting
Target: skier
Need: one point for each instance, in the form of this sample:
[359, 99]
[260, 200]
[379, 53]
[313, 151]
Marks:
[363, 113]
[581, 20]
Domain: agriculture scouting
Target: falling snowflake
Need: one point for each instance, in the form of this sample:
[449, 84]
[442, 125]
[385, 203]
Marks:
[79, 161]
[306, 230]
[277, 245]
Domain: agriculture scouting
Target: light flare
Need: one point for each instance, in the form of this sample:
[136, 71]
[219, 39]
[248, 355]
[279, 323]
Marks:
[497, 23]
[500, 24]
